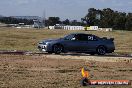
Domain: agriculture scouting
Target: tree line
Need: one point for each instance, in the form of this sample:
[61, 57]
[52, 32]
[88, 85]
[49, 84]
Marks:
[11, 20]
[51, 21]
[108, 18]
[105, 18]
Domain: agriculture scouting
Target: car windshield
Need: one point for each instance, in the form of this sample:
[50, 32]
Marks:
[69, 37]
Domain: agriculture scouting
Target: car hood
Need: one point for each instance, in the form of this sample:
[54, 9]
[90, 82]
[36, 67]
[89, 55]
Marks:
[51, 40]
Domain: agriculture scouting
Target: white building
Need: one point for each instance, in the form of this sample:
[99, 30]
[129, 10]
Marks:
[67, 27]
[105, 29]
[38, 24]
[94, 28]
[91, 28]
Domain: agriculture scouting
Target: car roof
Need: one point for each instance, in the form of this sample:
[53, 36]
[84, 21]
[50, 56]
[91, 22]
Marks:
[80, 33]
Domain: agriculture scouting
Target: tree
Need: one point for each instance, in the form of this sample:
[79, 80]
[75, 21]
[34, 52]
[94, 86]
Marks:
[108, 18]
[128, 24]
[92, 18]
[10, 20]
[75, 23]
[119, 20]
[53, 21]
[66, 22]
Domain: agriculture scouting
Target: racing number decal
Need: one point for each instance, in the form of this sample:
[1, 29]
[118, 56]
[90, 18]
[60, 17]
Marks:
[90, 38]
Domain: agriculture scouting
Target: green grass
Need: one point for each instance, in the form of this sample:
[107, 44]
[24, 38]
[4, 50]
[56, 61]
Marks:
[27, 39]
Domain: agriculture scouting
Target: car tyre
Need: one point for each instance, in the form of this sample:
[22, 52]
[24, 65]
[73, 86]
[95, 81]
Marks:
[92, 53]
[101, 50]
[57, 49]
[50, 52]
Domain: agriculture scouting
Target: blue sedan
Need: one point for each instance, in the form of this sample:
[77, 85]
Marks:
[78, 42]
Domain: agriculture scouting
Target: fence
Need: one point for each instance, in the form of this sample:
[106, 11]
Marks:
[67, 27]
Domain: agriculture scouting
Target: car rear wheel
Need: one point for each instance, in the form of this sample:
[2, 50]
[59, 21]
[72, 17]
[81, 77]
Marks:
[57, 49]
[101, 50]
[92, 53]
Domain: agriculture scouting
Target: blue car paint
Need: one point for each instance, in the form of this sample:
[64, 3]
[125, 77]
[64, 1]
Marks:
[77, 45]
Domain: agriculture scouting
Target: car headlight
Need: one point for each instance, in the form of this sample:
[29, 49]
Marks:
[40, 43]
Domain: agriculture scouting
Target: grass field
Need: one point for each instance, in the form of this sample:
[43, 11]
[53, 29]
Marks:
[41, 71]
[27, 39]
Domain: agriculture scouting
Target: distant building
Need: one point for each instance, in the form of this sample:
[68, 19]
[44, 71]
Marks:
[93, 28]
[66, 27]
[38, 24]
[27, 17]
[105, 29]
[3, 25]
[38, 21]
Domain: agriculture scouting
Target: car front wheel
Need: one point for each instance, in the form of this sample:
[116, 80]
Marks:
[50, 52]
[101, 50]
[57, 49]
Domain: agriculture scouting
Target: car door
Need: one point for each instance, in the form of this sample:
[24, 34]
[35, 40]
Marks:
[82, 40]
[92, 43]
[70, 43]
[76, 43]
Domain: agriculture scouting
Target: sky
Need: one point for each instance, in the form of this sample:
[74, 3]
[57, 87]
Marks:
[65, 9]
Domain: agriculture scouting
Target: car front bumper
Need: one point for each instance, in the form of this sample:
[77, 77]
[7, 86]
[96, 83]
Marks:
[42, 48]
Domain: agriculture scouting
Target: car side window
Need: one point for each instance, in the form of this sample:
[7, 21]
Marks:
[81, 37]
[70, 37]
[92, 38]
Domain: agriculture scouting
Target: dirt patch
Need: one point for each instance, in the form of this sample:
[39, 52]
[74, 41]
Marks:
[87, 57]
[42, 69]
[22, 71]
